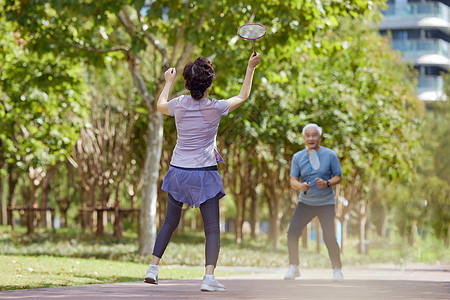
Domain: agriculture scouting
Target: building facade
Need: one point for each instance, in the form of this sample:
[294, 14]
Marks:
[420, 29]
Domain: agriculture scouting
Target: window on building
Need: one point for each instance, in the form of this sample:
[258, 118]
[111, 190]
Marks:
[400, 35]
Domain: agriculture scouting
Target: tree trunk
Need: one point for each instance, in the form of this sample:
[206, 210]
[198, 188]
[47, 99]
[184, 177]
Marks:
[45, 188]
[63, 212]
[274, 223]
[344, 222]
[31, 213]
[238, 219]
[118, 228]
[101, 215]
[12, 183]
[243, 210]
[147, 217]
[194, 222]
[274, 202]
[447, 238]
[235, 179]
[362, 235]
[117, 223]
[44, 203]
[83, 214]
[91, 214]
[3, 203]
[278, 215]
[99, 231]
[362, 212]
[306, 236]
[412, 233]
[381, 222]
[318, 234]
[254, 215]
[228, 224]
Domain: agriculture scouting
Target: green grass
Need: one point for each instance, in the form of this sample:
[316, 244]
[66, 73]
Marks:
[25, 272]
[187, 248]
[71, 257]
[30, 272]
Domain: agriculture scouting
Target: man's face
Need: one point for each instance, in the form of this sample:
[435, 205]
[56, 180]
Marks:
[312, 138]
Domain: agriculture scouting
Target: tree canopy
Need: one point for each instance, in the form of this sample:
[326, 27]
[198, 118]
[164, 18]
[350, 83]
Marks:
[42, 104]
[322, 62]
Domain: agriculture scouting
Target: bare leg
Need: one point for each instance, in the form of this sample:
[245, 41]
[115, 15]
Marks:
[155, 260]
[209, 269]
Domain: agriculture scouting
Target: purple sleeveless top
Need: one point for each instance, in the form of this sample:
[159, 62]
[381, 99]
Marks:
[197, 122]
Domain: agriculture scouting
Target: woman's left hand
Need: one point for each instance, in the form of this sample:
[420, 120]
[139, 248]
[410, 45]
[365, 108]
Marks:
[321, 184]
[254, 60]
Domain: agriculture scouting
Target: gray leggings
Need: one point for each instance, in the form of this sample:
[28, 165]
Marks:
[210, 215]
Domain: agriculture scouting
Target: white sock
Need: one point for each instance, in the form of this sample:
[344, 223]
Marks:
[209, 277]
[154, 266]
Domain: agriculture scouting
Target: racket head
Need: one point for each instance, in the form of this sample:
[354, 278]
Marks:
[314, 159]
[251, 31]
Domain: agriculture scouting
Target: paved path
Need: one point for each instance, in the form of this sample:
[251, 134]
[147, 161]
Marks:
[373, 282]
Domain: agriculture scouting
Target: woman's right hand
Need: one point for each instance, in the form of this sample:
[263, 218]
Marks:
[254, 60]
[170, 75]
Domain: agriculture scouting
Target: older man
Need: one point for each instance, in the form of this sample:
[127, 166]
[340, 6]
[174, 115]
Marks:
[316, 198]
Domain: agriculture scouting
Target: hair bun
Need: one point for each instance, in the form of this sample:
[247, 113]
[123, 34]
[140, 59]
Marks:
[198, 77]
[197, 94]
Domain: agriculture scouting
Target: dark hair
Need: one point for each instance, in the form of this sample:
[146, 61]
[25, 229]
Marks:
[198, 77]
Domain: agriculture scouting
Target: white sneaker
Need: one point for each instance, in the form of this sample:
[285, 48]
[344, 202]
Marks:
[337, 275]
[210, 284]
[152, 274]
[292, 273]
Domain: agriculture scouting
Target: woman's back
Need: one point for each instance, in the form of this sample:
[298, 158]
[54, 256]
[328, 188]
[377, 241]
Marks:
[197, 123]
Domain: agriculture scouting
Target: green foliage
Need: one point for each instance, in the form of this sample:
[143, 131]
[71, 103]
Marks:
[116, 109]
[360, 93]
[423, 201]
[62, 28]
[320, 63]
[364, 104]
[41, 103]
[434, 179]
[408, 208]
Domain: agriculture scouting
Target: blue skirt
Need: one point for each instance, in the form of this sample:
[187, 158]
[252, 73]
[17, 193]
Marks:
[193, 185]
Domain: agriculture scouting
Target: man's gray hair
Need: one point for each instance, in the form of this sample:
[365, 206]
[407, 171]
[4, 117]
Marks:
[312, 125]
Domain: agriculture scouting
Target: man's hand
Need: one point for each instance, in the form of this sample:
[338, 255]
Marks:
[306, 186]
[321, 184]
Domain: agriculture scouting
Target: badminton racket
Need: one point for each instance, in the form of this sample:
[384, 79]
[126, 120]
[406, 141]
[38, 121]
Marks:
[252, 31]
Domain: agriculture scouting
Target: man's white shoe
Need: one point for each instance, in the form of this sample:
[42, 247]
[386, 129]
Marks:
[292, 272]
[337, 275]
[152, 274]
[210, 284]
